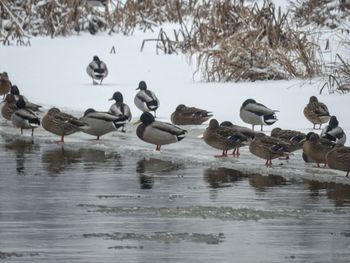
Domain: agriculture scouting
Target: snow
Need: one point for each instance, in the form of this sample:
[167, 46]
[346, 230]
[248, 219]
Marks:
[51, 72]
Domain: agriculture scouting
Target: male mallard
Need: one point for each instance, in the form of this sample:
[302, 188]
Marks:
[157, 132]
[145, 99]
[15, 92]
[100, 123]
[316, 112]
[223, 138]
[339, 159]
[189, 115]
[316, 148]
[24, 118]
[268, 148]
[240, 129]
[97, 70]
[8, 107]
[257, 114]
[294, 138]
[5, 84]
[119, 108]
[333, 132]
[61, 123]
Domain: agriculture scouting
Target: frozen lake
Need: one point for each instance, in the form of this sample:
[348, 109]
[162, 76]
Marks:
[118, 201]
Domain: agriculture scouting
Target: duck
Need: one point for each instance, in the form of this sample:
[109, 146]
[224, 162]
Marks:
[100, 123]
[339, 159]
[244, 130]
[157, 132]
[61, 124]
[316, 148]
[184, 115]
[296, 139]
[24, 118]
[97, 70]
[16, 93]
[145, 99]
[268, 148]
[223, 138]
[334, 132]
[255, 113]
[119, 108]
[8, 107]
[5, 84]
[316, 112]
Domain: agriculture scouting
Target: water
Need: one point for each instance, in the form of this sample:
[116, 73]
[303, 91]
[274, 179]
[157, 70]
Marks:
[118, 201]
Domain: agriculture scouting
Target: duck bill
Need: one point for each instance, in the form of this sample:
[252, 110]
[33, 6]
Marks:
[136, 122]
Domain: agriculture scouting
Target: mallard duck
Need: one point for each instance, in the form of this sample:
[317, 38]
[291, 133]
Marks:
[8, 107]
[316, 148]
[15, 92]
[157, 132]
[145, 99]
[268, 148]
[339, 159]
[316, 112]
[61, 123]
[223, 138]
[294, 138]
[97, 70]
[189, 115]
[5, 84]
[257, 114]
[333, 132]
[24, 118]
[119, 108]
[243, 130]
[100, 123]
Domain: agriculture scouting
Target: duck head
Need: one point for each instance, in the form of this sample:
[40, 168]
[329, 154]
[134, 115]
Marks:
[54, 110]
[213, 124]
[10, 98]
[89, 110]
[118, 97]
[313, 99]
[147, 118]
[248, 101]
[181, 107]
[96, 59]
[333, 122]
[142, 85]
[275, 131]
[14, 90]
[226, 124]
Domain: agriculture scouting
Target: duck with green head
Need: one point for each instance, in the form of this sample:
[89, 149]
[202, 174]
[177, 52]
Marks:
[145, 99]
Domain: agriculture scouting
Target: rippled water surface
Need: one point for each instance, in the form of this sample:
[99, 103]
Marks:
[86, 201]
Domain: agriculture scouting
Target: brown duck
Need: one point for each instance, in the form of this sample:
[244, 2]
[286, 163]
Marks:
[316, 148]
[339, 159]
[294, 138]
[5, 84]
[184, 115]
[8, 107]
[316, 112]
[268, 148]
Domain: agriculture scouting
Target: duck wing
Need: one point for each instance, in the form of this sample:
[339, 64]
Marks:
[168, 127]
[259, 109]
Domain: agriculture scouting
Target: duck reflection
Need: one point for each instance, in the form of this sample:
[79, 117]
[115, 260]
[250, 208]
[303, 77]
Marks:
[146, 168]
[261, 183]
[55, 161]
[21, 149]
[338, 193]
[222, 177]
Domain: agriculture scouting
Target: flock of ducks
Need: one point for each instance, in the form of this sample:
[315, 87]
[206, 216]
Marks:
[327, 148]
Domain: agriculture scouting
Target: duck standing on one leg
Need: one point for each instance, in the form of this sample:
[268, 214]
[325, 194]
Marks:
[97, 70]
[257, 114]
[157, 132]
[316, 112]
[145, 99]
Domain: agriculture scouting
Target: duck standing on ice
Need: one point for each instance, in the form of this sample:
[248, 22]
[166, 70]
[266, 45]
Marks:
[145, 99]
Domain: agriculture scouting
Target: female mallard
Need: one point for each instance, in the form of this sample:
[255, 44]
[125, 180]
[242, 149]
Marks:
[268, 148]
[5, 84]
[189, 115]
[294, 138]
[257, 114]
[61, 123]
[24, 118]
[145, 99]
[157, 132]
[316, 112]
[97, 70]
[223, 138]
[119, 108]
[8, 107]
[100, 123]
[339, 159]
[333, 132]
[15, 92]
[316, 149]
